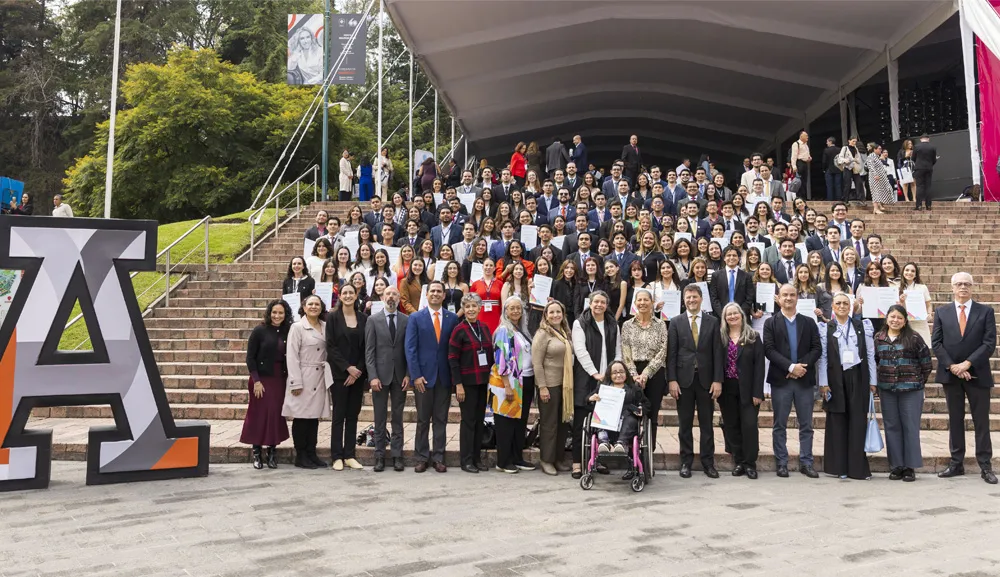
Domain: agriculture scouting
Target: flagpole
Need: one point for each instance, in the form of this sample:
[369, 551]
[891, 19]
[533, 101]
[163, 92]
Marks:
[109, 172]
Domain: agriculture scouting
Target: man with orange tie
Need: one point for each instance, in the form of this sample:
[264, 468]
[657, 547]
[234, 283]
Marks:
[964, 337]
[427, 334]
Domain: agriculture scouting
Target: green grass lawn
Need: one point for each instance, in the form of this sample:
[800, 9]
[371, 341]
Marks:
[228, 237]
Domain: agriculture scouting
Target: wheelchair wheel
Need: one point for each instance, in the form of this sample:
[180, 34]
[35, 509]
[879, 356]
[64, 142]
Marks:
[638, 484]
[587, 482]
[647, 454]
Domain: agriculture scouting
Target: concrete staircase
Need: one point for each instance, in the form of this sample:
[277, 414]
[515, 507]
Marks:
[200, 340]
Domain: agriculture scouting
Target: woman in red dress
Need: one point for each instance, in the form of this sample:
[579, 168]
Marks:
[488, 288]
[519, 163]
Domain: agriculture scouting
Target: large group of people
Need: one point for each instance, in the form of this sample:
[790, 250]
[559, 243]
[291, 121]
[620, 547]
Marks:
[518, 288]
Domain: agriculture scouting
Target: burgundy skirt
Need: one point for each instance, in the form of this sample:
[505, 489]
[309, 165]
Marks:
[264, 424]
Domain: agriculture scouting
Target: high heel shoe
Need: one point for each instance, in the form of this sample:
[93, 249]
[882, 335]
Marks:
[272, 458]
[257, 463]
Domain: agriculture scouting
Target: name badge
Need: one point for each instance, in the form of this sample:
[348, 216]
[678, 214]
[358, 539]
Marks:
[487, 307]
[451, 307]
[846, 356]
[482, 358]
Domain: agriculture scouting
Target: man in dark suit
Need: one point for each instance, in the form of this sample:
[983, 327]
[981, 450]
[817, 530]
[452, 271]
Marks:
[556, 157]
[924, 158]
[610, 185]
[318, 229]
[579, 155]
[698, 227]
[538, 217]
[874, 251]
[788, 260]
[584, 241]
[695, 368]
[791, 343]
[564, 208]
[502, 189]
[753, 232]
[570, 245]
[545, 240]
[411, 238]
[600, 212]
[632, 159]
[620, 253]
[857, 238]
[624, 196]
[617, 214]
[499, 248]
[731, 285]
[729, 218]
[831, 252]
[385, 359]
[426, 345]
[964, 337]
[447, 232]
[374, 218]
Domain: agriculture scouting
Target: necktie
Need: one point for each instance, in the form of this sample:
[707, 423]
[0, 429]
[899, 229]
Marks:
[836, 256]
[392, 327]
[437, 325]
[791, 271]
[961, 319]
[727, 225]
[732, 285]
[564, 212]
[857, 246]
[694, 328]
[413, 240]
[620, 255]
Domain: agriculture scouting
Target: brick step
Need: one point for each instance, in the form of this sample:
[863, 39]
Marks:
[230, 334]
[202, 368]
[221, 313]
[223, 300]
[177, 397]
[934, 422]
[194, 344]
[206, 382]
[225, 285]
[201, 323]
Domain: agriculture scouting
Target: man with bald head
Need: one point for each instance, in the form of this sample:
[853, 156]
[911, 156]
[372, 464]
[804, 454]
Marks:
[791, 343]
[385, 359]
[964, 337]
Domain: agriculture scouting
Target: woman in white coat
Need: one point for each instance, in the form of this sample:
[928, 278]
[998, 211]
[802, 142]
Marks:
[309, 377]
[346, 176]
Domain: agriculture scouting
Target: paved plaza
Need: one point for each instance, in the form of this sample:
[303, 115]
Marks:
[241, 522]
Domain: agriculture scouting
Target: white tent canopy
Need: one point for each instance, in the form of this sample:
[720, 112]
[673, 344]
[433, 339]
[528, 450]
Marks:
[723, 77]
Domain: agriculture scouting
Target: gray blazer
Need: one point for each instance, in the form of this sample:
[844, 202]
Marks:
[387, 368]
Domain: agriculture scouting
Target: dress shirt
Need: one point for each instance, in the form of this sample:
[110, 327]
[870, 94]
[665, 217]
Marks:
[968, 309]
[582, 355]
[847, 340]
[835, 252]
[793, 339]
[731, 276]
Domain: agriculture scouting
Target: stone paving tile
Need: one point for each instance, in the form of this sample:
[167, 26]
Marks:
[291, 522]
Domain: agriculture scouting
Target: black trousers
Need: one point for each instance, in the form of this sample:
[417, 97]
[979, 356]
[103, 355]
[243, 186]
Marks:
[346, 408]
[345, 195]
[922, 180]
[955, 393]
[510, 441]
[305, 433]
[527, 396]
[859, 186]
[391, 394]
[844, 443]
[739, 424]
[471, 429]
[656, 386]
[696, 396]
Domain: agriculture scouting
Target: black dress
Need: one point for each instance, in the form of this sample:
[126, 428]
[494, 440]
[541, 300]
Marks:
[453, 298]
[564, 291]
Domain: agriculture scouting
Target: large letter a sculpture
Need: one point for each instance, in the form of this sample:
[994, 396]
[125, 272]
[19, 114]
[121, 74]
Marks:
[66, 260]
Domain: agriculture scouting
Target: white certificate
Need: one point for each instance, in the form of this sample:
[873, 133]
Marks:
[671, 304]
[307, 248]
[540, 289]
[558, 241]
[439, 267]
[752, 201]
[680, 235]
[294, 302]
[529, 236]
[706, 302]
[803, 252]
[869, 304]
[423, 298]
[468, 199]
[438, 201]
[475, 272]
[393, 252]
[377, 306]
[757, 245]
[351, 242]
[723, 241]
[916, 307]
[806, 307]
[324, 290]
[887, 296]
[608, 411]
[765, 295]
[370, 283]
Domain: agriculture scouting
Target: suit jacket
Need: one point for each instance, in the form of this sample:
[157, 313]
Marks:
[868, 259]
[426, 357]
[780, 271]
[750, 368]
[594, 217]
[575, 183]
[774, 188]
[924, 156]
[546, 204]
[337, 345]
[632, 158]
[864, 252]
[556, 157]
[828, 254]
[312, 233]
[372, 219]
[557, 254]
[626, 261]
[498, 249]
[557, 211]
[579, 157]
[736, 225]
[459, 249]
[683, 352]
[381, 364]
[815, 242]
[454, 235]
[718, 291]
[575, 257]
[306, 286]
[759, 238]
[778, 351]
[473, 189]
[499, 195]
[610, 188]
[976, 345]
[845, 230]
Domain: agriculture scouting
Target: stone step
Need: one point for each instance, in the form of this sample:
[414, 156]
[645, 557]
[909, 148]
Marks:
[220, 313]
[195, 344]
[205, 322]
[239, 335]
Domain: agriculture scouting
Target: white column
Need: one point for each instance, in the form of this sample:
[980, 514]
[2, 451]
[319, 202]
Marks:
[808, 175]
[378, 139]
[892, 66]
[453, 135]
[435, 125]
[465, 161]
[110, 170]
[409, 159]
[968, 65]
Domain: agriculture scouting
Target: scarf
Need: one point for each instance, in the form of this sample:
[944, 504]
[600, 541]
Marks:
[567, 386]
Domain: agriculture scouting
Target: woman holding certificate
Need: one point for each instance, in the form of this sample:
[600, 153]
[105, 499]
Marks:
[644, 350]
[489, 289]
[911, 282]
[760, 312]
[847, 379]
[412, 286]
[873, 277]
[552, 355]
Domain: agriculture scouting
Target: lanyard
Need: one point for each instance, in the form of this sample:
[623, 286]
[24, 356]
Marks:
[478, 334]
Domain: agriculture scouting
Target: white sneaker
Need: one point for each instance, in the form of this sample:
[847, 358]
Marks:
[338, 465]
[353, 464]
[619, 448]
[604, 448]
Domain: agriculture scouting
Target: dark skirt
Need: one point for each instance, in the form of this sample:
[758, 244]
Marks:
[264, 424]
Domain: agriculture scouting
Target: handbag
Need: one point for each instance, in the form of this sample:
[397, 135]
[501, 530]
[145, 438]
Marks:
[873, 438]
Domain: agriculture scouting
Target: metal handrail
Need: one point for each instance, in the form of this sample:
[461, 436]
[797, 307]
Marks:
[205, 222]
[256, 215]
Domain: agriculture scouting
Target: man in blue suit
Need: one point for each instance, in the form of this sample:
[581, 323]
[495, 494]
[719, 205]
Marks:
[447, 232]
[427, 335]
[579, 155]
[563, 209]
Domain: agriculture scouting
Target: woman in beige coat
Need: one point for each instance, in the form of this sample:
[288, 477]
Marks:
[552, 357]
[309, 377]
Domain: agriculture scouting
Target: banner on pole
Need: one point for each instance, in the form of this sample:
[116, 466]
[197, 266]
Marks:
[352, 69]
[305, 49]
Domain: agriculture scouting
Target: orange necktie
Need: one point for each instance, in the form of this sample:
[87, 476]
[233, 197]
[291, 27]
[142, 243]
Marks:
[961, 319]
[437, 325]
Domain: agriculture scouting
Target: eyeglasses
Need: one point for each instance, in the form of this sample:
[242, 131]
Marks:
[962, 284]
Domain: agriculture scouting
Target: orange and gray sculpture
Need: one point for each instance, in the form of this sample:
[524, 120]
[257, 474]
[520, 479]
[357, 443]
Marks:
[65, 260]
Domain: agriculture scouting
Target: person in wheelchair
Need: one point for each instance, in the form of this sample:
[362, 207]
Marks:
[635, 405]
